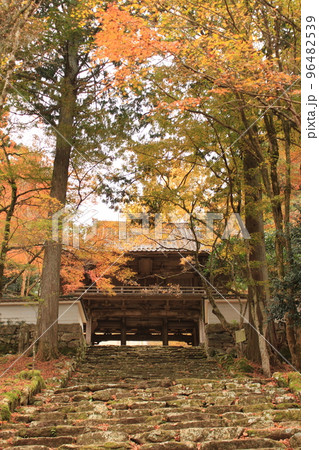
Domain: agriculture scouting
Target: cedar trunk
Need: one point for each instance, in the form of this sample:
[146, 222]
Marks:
[50, 281]
[7, 227]
[282, 221]
[256, 260]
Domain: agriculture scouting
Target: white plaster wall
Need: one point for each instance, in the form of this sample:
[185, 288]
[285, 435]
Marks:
[229, 310]
[70, 313]
[201, 330]
[22, 312]
[18, 313]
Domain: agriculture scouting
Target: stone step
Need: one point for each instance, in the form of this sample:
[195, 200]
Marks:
[237, 444]
[31, 447]
[156, 398]
[216, 445]
[51, 431]
[51, 442]
[189, 434]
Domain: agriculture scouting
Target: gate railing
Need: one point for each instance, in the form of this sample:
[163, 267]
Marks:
[143, 290]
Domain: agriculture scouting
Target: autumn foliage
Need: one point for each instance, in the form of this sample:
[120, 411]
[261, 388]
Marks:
[202, 41]
[24, 205]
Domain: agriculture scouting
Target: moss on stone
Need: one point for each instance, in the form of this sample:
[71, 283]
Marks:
[53, 432]
[68, 409]
[5, 412]
[294, 380]
[243, 366]
[291, 380]
[251, 432]
[29, 374]
[258, 407]
[154, 420]
[236, 367]
[281, 378]
[13, 396]
[286, 415]
[37, 382]
[287, 405]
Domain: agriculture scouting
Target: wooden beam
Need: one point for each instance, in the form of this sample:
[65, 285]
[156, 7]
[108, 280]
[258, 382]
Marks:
[154, 323]
[150, 298]
[100, 314]
[165, 332]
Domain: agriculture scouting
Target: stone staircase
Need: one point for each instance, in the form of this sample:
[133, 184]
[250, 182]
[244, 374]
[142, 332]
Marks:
[156, 398]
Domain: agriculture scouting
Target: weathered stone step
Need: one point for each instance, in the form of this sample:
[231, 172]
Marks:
[31, 447]
[261, 444]
[103, 437]
[156, 398]
[189, 434]
[276, 434]
[51, 431]
[109, 446]
[169, 446]
[246, 444]
[122, 395]
[52, 442]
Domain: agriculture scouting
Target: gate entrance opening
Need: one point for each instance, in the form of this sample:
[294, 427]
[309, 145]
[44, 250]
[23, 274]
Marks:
[144, 314]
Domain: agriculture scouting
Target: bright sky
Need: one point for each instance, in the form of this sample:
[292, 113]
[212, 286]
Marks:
[35, 136]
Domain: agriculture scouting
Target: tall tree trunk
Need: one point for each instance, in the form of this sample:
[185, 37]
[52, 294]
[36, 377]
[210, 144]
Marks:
[256, 257]
[252, 351]
[292, 329]
[50, 280]
[282, 222]
[23, 284]
[274, 193]
[7, 225]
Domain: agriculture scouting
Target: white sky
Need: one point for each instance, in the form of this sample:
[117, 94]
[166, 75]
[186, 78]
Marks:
[35, 136]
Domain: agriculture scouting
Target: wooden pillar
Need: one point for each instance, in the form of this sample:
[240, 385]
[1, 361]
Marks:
[201, 323]
[165, 332]
[88, 331]
[123, 331]
[195, 336]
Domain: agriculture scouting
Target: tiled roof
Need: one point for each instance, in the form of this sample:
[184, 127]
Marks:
[28, 300]
[178, 237]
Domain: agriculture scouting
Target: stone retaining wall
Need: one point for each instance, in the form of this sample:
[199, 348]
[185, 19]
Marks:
[217, 340]
[15, 338]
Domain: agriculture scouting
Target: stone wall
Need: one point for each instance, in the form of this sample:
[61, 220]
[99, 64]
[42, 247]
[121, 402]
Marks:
[217, 340]
[71, 338]
[17, 337]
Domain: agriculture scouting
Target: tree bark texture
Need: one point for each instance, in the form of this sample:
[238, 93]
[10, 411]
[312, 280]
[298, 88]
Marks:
[50, 280]
[256, 259]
